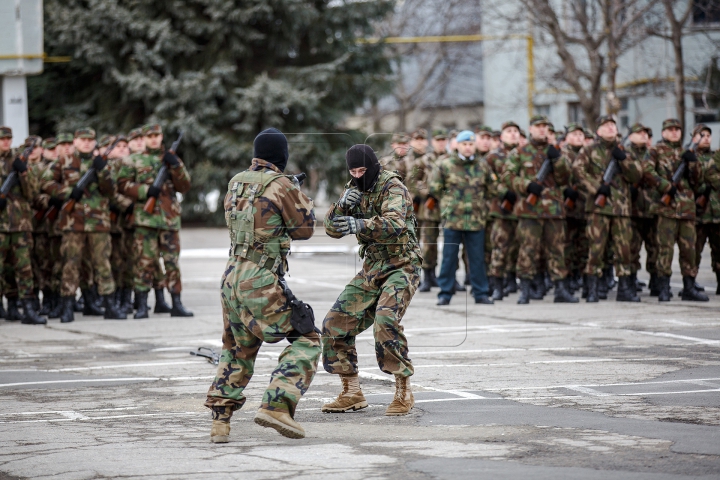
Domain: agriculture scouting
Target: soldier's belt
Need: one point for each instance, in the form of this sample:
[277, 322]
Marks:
[376, 254]
[262, 260]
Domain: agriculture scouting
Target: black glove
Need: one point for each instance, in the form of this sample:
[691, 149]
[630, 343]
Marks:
[672, 192]
[114, 209]
[350, 198]
[689, 156]
[535, 188]
[129, 210]
[76, 194]
[604, 190]
[634, 192]
[171, 159]
[153, 191]
[570, 193]
[553, 153]
[510, 197]
[3, 203]
[56, 202]
[618, 154]
[19, 166]
[347, 225]
[99, 163]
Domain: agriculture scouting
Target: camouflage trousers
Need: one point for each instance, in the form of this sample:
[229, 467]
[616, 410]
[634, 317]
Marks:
[541, 238]
[682, 232]
[429, 233]
[488, 240]
[377, 296]
[576, 244]
[605, 232]
[17, 273]
[128, 275]
[709, 232]
[255, 310]
[91, 249]
[42, 262]
[149, 245]
[505, 247]
[644, 233]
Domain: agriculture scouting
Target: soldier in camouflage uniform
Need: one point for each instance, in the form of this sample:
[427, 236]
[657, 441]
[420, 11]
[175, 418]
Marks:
[676, 220]
[86, 228]
[609, 222]
[576, 246]
[540, 226]
[483, 141]
[643, 204]
[156, 233]
[429, 213]
[401, 157]
[16, 237]
[708, 201]
[264, 210]
[462, 184]
[34, 161]
[377, 208]
[504, 244]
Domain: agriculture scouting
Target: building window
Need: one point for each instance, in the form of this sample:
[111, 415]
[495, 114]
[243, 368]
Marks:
[706, 11]
[575, 114]
[542, 110]
[703, 113]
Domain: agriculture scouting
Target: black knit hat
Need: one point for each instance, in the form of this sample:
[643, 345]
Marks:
[363, 156]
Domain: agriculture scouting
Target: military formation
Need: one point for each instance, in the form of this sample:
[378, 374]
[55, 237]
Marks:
[101, 217]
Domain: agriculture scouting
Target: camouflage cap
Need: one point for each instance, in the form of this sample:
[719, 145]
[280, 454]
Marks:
[522, 133]
[439, 135]
[453, 133]
[551, 127]
[135, 133]
[152, 129]
[64, 138]
[701, 127]
[120, 137]
[496, 133]
[5, 132]
[605, 119]
[588, 133]
[572, 127]
[400, 138]
[671, 122]
[85, 132]
[539, 120]
[509, 123]
[33, 138]
[638, 127]
[49, 143]
[420, 133]
[483, 130]
[649, 130]
[106, 140]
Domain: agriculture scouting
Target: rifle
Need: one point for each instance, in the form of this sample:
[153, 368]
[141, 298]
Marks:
[677, 176]
[607, 179]
[12, 179]
[161, 177]
[545, 170]
[702, 200]
[89, 178]
[300, 177]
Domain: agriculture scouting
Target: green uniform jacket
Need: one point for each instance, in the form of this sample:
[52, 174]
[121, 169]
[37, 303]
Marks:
[420, 177]
[463, 188]
[136, 175]
[119, 203]
[664, 159]
[578, 212]
[497, 161]
[523, 166]
[390, 224]
[588, 169]
[18, 215]
[710, 179]
[92, 212]
[400, 165]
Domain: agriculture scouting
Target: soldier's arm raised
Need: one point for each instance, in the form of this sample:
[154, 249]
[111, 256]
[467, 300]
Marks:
[106, 183]
[51, 182]
[127, 184]
[513, 176]
[180, 177]
[586, 182]
[391, 222]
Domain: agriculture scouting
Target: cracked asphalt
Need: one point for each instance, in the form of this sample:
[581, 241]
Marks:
[609, 390]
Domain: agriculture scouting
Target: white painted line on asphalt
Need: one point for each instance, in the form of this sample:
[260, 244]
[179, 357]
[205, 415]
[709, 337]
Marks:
[626, 384]
[82, 380]
[589, 391]
[542, 362]
[415, 353]
[62, 412]
[110, 417]
[705, 341]
[125, 365]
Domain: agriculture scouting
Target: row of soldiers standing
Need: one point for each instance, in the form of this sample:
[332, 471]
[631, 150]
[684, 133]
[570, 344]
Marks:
[550, 211]
[74, 216]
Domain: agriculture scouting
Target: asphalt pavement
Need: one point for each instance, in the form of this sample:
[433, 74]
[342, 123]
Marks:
[545, 391]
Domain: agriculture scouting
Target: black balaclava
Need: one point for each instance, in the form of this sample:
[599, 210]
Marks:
[272, 146]
[363, 156]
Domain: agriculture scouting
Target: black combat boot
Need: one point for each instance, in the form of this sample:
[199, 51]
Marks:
[698, 287]
[31, 317]
[717, 291]
[603, 288]
[126, 303]
[584, 293]
[592, 288]
[609, 275]
[3, 313]
[664, 286]
[690, 293]
[161, 305]
[524, 297]
[537, 287]
[653, 285]
[141, 311]
[497, 289]
[561, 293]
[433, 278]
[57, 306]
[79, 305]
[548, 283]
[35, 299]
[47, 302]
[97, 300]
[425, 285]
[512, 286]
[90, 307]
[626, 290]
[178, 310]
[13, 312]
[67, 314]
[633, 282]
[112, 311]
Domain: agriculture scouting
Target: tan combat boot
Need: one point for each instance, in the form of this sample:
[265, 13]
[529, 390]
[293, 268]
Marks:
[280, 421]
[404, 400]
[351, 397]
[220, 432]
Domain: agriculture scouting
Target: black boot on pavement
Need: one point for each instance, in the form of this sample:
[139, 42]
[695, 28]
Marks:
[67, 315]
[426, 284]
[30, 316]
[141, 311]
[592, 288]
[13, 312]
[664, 286]
[561, 293]
[524, 297]
[112, 311]
[178, 310]
[57, 306]
[627, 292]
[690, 293]
[90, 307]
[497, 288]
[161, 305]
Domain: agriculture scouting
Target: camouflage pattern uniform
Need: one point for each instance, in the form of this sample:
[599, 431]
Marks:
[504, 244]
[708, 219]
[393, 162]
[255, 308]
[644, 221]
[429, 219]
[577, 245]
[380, 293]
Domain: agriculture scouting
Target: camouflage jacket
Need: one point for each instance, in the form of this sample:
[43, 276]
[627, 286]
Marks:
[18, 214]
[710, 179]
[497, 161]
[463, 188]
[92, 212]
[644, 203]
[578, 212]
[664, 160]
[40, 202]
[390, 224]
[136, 175]
[523, 165]
[400, 165]
[420, 178]
[589, 168]
[119, 203]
